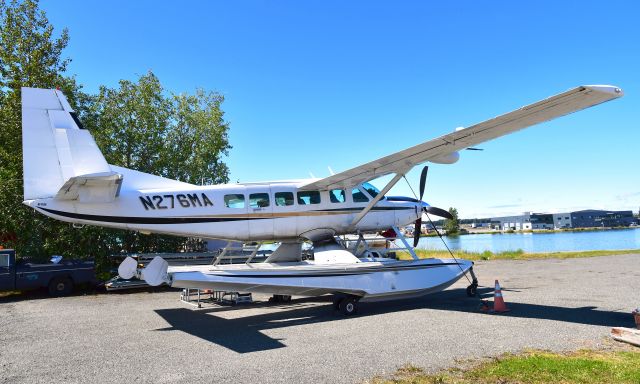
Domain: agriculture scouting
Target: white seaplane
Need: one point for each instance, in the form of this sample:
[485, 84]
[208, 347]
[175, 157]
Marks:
[66, 177]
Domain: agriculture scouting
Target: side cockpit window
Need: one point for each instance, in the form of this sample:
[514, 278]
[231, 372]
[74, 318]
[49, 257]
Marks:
[371, 190]
[359, 196]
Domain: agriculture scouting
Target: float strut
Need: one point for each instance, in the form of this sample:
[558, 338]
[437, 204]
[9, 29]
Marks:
[472, 290]
[474, 278]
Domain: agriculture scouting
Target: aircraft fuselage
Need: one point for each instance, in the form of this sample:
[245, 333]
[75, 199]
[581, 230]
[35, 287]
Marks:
[244, 212]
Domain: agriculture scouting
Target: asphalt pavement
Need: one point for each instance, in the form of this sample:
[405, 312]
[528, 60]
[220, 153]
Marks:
[151, 337]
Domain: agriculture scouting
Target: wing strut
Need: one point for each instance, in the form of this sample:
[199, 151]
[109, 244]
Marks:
[380, 195]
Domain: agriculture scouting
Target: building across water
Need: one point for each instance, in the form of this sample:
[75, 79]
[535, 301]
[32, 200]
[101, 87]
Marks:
[578, 219]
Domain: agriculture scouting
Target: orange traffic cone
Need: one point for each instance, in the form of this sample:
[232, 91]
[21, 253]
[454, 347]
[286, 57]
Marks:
[498, 301]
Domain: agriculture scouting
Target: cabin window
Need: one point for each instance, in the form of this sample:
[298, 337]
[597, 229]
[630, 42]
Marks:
[235, 200]
[358, 196]
[371, 190]
[308, 197]
[259, 200]
[4, 260]
[337, 196]
[284, 199]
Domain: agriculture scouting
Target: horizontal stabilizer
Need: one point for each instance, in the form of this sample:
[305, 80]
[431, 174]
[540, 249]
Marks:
[92, 188]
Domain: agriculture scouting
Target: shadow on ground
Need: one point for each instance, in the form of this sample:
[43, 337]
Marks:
[43, 294]
[83, 290]
[243, 334]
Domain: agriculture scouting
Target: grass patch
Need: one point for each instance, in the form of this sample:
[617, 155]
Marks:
[512, 255]
[536, 367]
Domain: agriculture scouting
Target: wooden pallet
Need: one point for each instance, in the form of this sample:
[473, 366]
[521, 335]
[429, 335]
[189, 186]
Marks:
[626, 335]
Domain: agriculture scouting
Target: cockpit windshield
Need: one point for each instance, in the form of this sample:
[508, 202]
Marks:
[371, 190]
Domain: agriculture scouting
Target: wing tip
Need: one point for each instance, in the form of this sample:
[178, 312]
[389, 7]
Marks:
[608, 89]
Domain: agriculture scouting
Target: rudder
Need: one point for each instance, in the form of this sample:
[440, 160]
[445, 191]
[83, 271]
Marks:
[55, 146]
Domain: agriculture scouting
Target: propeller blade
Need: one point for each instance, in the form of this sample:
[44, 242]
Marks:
[423, 180]
[417, 230]
[438, 212]
[417, 227]
[474, 149]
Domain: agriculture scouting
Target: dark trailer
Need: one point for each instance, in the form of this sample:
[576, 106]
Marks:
[59, 278]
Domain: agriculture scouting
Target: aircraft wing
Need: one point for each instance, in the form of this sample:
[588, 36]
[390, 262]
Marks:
[444, 148]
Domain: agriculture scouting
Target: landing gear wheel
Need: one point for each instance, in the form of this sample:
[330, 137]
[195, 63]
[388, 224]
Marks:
[348, 306]
[472, 290]
[60, 286]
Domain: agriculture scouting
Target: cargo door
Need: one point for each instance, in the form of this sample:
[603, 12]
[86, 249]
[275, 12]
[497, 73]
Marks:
[260, 212]
[235, 223]
[284, 212]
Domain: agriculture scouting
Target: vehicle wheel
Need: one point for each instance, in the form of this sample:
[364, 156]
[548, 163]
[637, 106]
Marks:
[348, 306]
[472, 290]
[60, 286]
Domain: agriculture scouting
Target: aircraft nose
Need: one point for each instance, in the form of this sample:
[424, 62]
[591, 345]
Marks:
[420, 206]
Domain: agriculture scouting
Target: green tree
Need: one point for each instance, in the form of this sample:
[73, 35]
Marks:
[183, 137]
[452, 226]
[137, 125]
[198, 140]
[30, 56]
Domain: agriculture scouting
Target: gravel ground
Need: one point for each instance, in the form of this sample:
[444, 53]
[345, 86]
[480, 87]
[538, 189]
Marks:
[152, 337]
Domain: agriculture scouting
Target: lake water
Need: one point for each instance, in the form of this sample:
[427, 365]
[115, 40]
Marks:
[539, 242]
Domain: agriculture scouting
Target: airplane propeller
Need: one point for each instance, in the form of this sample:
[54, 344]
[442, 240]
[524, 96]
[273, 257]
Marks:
[432, 210]
[417, 227]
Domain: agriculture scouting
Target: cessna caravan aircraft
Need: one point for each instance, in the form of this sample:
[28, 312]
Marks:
[67, 178]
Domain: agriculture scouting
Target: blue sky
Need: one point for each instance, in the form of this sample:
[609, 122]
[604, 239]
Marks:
[315, 84]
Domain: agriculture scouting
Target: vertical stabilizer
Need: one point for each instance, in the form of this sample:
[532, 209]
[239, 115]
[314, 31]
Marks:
[55, 146]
